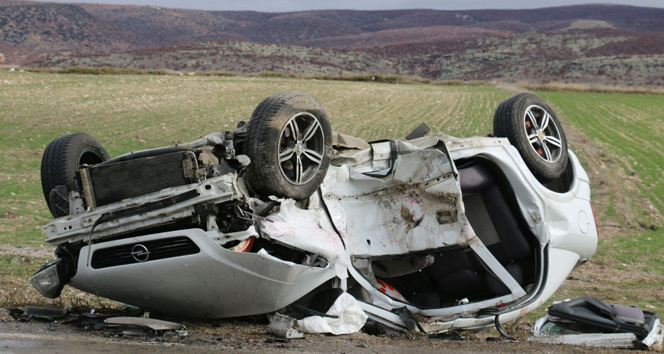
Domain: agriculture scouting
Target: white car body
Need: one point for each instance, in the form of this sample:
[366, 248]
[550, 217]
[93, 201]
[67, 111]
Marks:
[390, 203]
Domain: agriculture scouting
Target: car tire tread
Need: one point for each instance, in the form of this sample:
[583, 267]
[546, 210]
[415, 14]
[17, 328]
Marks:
[261, 141]
[507, 123]
[60, 162]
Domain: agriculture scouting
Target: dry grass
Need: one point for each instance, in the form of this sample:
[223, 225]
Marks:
[378, 78]
[375, 77]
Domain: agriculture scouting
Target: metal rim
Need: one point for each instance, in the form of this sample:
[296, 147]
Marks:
[301, 148]
[542, 133]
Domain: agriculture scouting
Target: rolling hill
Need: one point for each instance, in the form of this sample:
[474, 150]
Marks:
[586, 43]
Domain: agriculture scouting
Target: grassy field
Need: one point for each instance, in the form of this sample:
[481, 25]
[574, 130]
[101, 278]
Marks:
[618, 138]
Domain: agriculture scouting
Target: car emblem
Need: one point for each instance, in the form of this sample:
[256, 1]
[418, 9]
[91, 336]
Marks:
[140, 253]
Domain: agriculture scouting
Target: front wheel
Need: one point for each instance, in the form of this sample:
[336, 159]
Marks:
[534, 129]
[61, 159]
[289, 142]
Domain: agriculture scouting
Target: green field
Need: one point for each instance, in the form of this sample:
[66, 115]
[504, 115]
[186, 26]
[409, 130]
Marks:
[618, 137]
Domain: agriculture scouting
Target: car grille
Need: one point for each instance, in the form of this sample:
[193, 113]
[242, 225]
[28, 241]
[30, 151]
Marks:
[142, 252]
[128, 179]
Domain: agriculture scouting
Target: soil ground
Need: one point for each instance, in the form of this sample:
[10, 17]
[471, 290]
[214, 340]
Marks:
[247, 337]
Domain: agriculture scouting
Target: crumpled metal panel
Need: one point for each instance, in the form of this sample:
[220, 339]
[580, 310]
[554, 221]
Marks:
[308, 230]
[418, 208]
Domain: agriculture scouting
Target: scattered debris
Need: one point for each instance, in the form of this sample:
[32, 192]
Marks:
[284, 327]
[129, 325]
[87, 320]
[96, 321]
[344, 317]
[151, 323]
[591, 322]
[603, 340]
[28, 313]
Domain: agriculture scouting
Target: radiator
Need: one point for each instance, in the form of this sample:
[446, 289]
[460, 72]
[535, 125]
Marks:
[109, 183]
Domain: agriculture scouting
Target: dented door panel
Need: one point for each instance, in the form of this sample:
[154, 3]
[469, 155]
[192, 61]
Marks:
[417, 207]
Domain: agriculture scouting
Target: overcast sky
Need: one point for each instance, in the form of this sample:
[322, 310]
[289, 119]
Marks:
[298, 5]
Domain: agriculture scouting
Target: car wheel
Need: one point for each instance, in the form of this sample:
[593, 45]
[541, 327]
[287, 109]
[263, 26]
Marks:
[289, 142]
[61, 159]
[533, 128]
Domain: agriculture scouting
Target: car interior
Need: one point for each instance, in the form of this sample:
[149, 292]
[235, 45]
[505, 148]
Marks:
[456, 274]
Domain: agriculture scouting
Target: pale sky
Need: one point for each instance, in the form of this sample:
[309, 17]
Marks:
[301, 5]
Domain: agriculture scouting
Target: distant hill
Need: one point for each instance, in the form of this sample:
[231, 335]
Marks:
[28, 29]
[602, 43]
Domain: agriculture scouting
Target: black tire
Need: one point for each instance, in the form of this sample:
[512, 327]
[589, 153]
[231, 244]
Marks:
[59, 164]
[271, 135]
[534, 129]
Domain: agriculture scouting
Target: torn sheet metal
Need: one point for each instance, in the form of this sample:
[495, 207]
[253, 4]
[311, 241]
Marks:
[341, 140]
[344, 317]
[289, 224]
[149, 323]
[350, 150]
[419, 208]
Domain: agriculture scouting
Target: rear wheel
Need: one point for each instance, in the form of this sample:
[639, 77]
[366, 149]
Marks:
[534, 129]
[289, 142]
[61, 159]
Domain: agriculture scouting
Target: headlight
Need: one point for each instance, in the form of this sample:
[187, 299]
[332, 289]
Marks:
[49, 279]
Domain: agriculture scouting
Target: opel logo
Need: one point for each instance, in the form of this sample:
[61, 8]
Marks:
[140, 253]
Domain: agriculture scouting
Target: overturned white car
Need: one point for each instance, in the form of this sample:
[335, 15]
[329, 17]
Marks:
[430, 232]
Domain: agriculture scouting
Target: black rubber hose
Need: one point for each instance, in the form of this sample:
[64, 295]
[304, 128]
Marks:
[208, 140]
[144, 153]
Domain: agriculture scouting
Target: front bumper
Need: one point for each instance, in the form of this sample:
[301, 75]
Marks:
[212, 283]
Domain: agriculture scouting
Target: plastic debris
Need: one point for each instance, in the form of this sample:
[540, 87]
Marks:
[590, 322]
[284, 326]
[149, 323]
[28, 313]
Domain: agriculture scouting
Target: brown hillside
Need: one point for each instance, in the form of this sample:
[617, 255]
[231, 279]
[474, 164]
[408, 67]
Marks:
[30, 30]
[587, 43]
[407, 36]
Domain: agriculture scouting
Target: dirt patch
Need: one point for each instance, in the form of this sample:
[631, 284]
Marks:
[588, 24]
[509, 87]
[38, 252]
[246, 336]
[613, 285]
